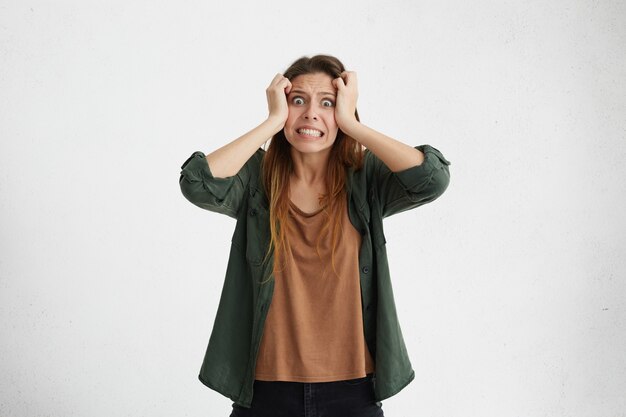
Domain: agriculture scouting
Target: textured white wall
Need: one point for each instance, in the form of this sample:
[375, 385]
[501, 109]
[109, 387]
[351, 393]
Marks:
[510, 287]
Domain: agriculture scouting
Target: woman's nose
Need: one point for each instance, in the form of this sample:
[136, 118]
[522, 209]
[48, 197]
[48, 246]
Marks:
[310, 113]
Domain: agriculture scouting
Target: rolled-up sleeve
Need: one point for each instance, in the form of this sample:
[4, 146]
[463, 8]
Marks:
[414, 186]
[200, 187]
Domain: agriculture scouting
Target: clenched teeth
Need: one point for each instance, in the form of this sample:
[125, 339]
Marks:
[310, 132]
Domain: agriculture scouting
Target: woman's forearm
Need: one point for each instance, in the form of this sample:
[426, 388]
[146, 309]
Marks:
[396, 155]
[230, 158]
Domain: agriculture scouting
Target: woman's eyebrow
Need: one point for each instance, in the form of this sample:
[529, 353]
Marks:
[320, 93]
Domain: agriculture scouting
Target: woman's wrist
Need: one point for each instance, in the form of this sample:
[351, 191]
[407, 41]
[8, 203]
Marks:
[275, 123]
[350, 128]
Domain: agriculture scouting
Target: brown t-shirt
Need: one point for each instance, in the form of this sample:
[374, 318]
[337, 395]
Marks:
[314, 327]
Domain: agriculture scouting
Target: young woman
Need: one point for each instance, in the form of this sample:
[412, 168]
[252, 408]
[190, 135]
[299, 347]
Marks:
[307, 323]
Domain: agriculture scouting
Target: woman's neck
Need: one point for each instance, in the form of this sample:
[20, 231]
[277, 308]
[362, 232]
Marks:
[309, 168]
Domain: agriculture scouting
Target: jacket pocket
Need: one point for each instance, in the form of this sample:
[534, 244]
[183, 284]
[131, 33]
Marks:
[257, 233]
[374, 220]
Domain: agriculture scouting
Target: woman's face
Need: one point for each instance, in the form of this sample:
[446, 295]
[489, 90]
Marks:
[311, 102]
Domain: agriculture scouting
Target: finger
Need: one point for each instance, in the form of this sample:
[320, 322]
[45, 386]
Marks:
[277, 78]
[275, 81]
[281, 81]
[349, 77]
[288, 87]
[280, 84]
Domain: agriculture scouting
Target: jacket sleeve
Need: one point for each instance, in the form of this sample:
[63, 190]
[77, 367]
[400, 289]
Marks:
[412, 187]
[221, 195]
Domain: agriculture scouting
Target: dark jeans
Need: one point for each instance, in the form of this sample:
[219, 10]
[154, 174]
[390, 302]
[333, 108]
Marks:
[349, 398]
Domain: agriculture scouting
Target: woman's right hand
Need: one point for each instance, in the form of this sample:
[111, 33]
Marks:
[277, 99]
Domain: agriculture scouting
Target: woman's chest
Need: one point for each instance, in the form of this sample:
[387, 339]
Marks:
[306, 198]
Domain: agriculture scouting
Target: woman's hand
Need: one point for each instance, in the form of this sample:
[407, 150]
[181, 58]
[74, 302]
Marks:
[277, 99]
[347, 94]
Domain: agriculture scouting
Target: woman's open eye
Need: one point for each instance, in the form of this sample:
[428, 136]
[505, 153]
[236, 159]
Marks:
[297, 100]
[330, 103]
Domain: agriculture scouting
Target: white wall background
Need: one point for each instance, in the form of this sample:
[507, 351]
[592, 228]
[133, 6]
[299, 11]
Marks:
[510, 287]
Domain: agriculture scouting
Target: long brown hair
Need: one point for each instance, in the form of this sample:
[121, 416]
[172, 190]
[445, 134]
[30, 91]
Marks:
[277, 167]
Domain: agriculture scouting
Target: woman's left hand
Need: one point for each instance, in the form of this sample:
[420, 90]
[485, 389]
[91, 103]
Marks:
[347, 93]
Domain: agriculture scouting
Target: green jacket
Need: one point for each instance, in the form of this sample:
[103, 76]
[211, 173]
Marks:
[374, 192]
